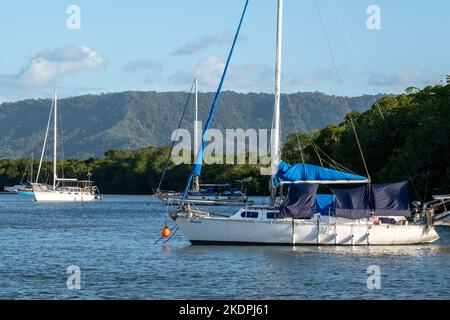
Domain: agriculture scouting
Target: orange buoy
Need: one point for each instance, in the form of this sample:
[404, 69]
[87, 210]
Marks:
[166, 232]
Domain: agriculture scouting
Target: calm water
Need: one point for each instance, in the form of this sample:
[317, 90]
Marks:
[112, 242]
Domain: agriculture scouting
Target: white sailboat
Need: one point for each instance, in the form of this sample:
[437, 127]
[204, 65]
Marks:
[62, 189]
[297, 220]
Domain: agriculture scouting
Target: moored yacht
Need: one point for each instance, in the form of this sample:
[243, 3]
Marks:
[62, 189]
[356, 212]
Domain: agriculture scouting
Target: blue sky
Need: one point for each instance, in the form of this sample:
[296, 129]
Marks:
[161, 45]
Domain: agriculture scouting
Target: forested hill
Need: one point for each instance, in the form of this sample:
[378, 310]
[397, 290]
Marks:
[93, 124]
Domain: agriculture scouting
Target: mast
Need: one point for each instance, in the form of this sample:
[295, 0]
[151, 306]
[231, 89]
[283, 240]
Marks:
[45, 141]
[31, 169]
[276, 122]
[55, 141]
[196, 185]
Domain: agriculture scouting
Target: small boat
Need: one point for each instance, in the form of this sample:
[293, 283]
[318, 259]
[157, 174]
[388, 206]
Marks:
[356, 212]
[23, 189]
[439, 209]
[62, 189]
[208, 194]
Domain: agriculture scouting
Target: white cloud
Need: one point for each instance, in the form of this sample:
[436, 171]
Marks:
[207, 70]
[405, 77]
[203, 43]
[48, 65]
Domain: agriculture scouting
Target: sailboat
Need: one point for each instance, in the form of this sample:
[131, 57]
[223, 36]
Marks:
[23, 189]
[62, 189]
[357, 212]
[204, 194]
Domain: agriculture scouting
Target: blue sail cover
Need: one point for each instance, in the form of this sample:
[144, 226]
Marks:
[307, 172]
[299, 202]
[391, 199]
[352, 203]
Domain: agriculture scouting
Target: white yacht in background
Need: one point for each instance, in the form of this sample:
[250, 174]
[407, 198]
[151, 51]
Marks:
[62, 189]
[369, 214]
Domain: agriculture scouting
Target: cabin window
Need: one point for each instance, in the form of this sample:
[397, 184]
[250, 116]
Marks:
[388, 220]
[249, 214]
[272, 215]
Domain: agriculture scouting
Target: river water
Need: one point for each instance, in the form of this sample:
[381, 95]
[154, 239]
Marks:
[112, 244]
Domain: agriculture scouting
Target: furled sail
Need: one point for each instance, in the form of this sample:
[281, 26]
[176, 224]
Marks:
[306, 172]
[299, 202]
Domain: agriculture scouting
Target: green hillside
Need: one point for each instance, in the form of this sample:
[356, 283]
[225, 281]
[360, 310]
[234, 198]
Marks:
[93, 124]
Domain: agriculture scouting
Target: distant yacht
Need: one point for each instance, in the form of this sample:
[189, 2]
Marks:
[23, 188]
[62, 189]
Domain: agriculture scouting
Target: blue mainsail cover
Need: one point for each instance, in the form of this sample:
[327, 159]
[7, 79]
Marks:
[391, 199]
[299, 202]
[352, 203]
[307, 172]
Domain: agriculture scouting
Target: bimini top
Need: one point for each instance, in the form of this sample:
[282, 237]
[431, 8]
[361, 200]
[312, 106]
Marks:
[306, 173]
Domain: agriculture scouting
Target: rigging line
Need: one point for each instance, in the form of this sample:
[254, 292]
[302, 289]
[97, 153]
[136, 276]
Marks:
[166, 165]
[25, 172]
[375, 102]
[295, 128]
[315, 147]
[342, 88]
[307, 135]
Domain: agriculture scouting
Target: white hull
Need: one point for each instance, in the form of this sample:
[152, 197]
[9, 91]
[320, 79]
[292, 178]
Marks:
[212, 230]
[59, 196]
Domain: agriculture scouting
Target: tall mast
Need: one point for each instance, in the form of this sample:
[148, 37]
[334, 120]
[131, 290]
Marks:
[196, 186]
[31, 169]
[55, 140]
[276, 124]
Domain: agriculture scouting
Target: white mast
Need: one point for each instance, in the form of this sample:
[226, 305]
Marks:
[276, 125]
[196, 186]
[55, 141]
[31, 169]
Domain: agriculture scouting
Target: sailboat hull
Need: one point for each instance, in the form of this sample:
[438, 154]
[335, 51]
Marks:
[57, 196]
[228, 231]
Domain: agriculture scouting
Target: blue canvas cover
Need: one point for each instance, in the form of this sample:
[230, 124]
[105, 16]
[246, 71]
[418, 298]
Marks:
[325, 204]
[352, 203]
[299, 202]
[391, 199]
[307, 172]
